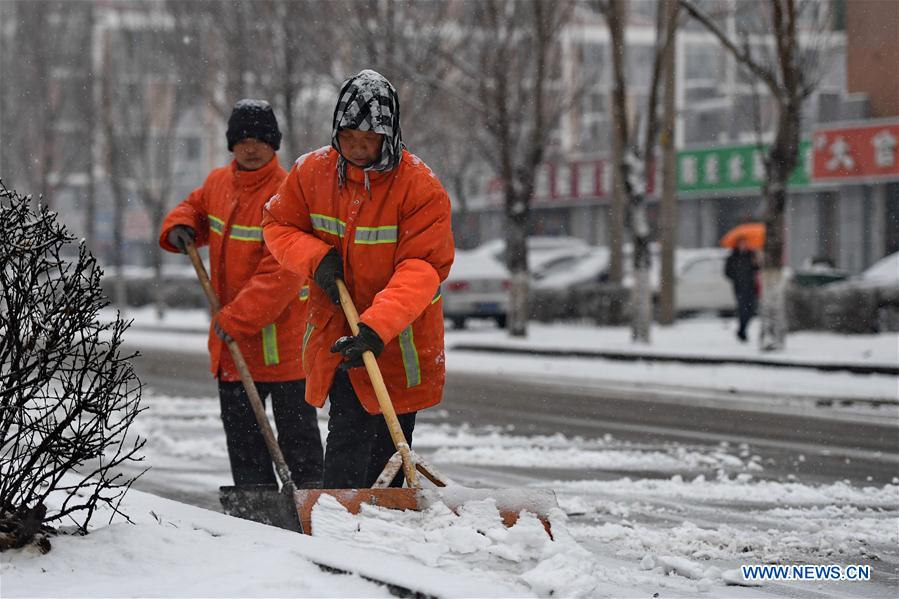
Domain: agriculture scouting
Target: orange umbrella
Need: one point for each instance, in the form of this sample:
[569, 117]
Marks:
[753, 233]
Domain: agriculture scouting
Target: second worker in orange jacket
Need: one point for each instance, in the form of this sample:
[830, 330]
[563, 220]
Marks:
[264, 305]
[369, 212]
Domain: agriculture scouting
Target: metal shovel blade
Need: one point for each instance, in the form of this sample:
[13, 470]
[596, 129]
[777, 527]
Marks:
[261, 503]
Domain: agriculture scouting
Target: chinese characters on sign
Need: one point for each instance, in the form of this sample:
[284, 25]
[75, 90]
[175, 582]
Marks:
[863, 151]
[732, 168]
[859, 152]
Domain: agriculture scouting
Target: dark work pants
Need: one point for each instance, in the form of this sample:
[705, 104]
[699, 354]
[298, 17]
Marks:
[359, 443]
[745, 309]
[297, 430]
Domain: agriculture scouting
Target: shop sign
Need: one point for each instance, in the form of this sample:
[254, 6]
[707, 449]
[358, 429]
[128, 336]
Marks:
[860, 152]
[732, 168]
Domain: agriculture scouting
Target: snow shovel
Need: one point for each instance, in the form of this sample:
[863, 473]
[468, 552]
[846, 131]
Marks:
[509, 502]
[261, 503]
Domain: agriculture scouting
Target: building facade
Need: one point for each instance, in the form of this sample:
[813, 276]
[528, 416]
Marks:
[850, 220]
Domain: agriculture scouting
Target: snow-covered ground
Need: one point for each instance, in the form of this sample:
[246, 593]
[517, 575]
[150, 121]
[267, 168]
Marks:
[174, 550]
[683, 531]
[661, 519]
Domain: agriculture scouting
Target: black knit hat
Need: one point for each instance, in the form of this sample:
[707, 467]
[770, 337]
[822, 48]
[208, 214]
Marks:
[253, 119]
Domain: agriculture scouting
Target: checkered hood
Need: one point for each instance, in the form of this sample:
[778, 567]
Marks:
[368, 102]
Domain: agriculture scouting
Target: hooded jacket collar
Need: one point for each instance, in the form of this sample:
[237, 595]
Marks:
[250, 179]
[360, 175]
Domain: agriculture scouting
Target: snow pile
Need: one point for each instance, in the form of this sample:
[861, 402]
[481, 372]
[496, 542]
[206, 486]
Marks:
[173, 550]
[474, 541]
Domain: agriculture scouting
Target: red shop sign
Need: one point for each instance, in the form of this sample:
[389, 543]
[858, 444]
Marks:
[866, 151]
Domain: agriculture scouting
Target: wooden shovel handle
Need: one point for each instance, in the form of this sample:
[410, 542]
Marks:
[377, 381]
[246, 378]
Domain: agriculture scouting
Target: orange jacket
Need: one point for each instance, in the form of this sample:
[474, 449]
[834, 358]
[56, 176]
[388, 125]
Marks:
[264, 305]
[397, 247]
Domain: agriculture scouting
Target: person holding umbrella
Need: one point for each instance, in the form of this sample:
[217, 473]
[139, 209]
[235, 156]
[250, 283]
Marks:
[742, 268]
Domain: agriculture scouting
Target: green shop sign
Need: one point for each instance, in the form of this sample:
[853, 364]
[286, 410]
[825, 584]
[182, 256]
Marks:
[729, 168]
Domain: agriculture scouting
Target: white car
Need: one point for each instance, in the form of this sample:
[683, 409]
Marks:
[564, 272]
[701, 284]
[883, 273]
[541, 250]
[477, 287]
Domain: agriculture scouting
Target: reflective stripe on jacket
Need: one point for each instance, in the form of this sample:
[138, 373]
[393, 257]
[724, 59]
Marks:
[263, 304]
[397, 246]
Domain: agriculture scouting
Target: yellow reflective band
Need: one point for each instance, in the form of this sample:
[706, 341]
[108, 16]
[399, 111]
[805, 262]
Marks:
[375, 235]
[328, 224]
[242, 233]
[306, 336]
[270, 345]
[216, 225]
[410, 358]
[437, 296]
[304, 293]
[238, 232]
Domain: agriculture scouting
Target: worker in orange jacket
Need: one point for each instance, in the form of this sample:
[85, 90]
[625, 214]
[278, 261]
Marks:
[264, 304]
[369, 212]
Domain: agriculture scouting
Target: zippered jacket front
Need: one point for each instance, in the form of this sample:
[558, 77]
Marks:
[393, 232]
[264, 304]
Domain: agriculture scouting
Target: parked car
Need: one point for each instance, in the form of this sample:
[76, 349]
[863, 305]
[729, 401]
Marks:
[541, 250]
[867, 303]
[478, 284]
[883, 273]
[701, 284]
[570, 270]
[477, 287]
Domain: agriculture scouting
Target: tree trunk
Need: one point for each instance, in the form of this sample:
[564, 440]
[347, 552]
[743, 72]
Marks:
[782, 159]
[157, 214]
[118, 220]
[641, 292]
[773, 312]
[90, 207]
[616, 17]
[517, 262]
[667, 300]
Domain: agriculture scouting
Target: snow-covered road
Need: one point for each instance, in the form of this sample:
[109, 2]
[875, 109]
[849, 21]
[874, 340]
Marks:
[638, 510]
[648, 510]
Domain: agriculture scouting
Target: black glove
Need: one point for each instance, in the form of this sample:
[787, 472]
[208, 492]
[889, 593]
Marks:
[327, 273]
[180, 236]
[221, 332]
[353, 347]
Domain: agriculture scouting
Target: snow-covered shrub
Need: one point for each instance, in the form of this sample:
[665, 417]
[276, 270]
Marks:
[67, 394]
[843, 308]
[606, 303]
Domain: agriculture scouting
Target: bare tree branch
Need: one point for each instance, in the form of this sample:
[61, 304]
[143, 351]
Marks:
[742, 55]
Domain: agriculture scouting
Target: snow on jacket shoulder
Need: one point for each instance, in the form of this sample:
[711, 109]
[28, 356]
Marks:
[396, 243]
[264, 304]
